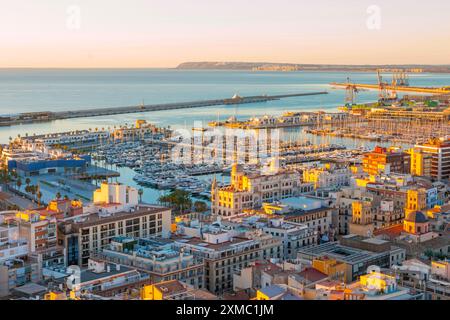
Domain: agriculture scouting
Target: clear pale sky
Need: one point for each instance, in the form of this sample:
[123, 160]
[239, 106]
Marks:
[164, 33]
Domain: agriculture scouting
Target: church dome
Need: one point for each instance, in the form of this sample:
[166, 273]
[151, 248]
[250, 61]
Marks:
[417, 217]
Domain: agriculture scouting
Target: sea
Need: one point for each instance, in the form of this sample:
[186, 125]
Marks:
[32, 90]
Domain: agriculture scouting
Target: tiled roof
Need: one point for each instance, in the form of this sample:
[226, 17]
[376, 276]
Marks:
[312, 275]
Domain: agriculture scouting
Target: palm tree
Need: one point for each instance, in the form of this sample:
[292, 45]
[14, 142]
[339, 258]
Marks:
[33, 190]
[200, 206]
[39, 196]
[179, 200]
[4, 176]
[140, 192]
[163, 200]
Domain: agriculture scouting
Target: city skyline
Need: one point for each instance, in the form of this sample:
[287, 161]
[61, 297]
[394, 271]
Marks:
[82, 34]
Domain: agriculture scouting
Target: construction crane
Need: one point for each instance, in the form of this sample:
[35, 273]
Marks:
[351, 93]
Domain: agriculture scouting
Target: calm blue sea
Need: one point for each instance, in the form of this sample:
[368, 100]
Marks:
[23, 90]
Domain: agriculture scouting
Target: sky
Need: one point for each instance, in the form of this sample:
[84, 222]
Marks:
[164, 33]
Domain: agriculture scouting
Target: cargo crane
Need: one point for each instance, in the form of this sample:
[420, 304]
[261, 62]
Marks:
[382, 87]
[400, 82]
[351, 93]
[400, 77]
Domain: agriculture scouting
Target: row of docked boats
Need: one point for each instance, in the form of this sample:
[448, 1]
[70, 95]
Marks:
[154, 169]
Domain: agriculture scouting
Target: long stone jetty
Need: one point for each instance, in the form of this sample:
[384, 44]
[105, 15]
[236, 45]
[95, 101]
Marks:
[32, 117]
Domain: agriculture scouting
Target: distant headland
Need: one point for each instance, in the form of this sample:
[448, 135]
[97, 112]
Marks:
[268, 66]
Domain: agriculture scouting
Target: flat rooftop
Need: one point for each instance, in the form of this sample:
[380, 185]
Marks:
[88, 275]
[194, 241]
[339, 252]
[31, 289]
[303, 203]
[94, 218]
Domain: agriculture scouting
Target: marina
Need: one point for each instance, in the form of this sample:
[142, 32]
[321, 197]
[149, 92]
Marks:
[153, 166]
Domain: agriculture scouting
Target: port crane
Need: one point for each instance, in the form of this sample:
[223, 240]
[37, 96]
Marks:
[400, 77]
[382, 87]
[351, 93]
[400, 82]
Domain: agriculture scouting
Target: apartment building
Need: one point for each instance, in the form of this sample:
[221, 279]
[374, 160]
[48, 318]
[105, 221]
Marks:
[408, 193]
[386, 160]
[293, 235]
[40, 232]
[224, 252]
[94, 232]
[420, 162]
[438, 284]
[115, 212]
[342, 201]
[17, 272]
[329, 176]
[11, 245]
[14, 269]
[362, 218]
[308, 211]
[158, 257]
[28, 244]
[387, 215]
[108, 279]
[250, 190]
[439, 149]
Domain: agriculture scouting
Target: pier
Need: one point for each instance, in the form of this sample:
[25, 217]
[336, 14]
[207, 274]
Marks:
[33, 117]
[443, 90]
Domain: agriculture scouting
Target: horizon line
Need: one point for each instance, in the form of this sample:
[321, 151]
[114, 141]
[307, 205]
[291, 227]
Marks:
[255, 62]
